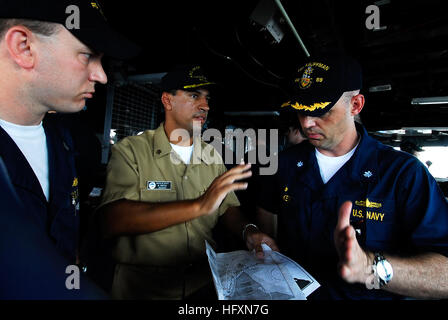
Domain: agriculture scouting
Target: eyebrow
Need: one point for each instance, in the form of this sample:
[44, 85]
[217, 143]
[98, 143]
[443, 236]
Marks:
[91, 51]
[199, 92]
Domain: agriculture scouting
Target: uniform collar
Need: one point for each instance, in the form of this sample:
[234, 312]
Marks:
[364, 163]
[19, 169]
[163, 148]
[162, 145]
[23, 175]
[362, 166]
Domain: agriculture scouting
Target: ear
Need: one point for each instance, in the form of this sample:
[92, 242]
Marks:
[357, 104]
[18, 41]
[166, 101]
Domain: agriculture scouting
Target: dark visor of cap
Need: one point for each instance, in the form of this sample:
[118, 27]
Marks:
[91, 29]
[105, 40]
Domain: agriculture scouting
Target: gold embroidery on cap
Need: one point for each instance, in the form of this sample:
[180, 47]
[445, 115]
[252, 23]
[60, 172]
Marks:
[298, 106]
[198, 85]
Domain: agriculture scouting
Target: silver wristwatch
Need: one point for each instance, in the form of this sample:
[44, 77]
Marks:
[383, 269]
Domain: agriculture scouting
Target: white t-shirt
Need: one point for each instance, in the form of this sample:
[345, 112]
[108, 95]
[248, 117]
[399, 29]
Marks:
[32, 141]
[328, 166]
[183, 152]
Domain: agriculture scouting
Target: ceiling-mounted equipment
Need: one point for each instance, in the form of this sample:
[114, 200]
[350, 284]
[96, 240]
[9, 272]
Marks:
[380, 88]
[430, 100]
[267, 17]
[269, 14]
[291, 25]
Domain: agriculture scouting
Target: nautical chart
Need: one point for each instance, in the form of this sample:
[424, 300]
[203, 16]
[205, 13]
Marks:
[239, 275]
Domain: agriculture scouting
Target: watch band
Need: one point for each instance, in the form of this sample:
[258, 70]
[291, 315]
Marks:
[383, 269]
[245, 228]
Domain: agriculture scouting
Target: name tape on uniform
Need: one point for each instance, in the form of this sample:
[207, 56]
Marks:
[158, 185]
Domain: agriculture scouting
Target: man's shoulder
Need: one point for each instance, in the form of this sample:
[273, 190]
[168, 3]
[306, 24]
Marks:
[398, 162]
[390, 154]
[143, 139]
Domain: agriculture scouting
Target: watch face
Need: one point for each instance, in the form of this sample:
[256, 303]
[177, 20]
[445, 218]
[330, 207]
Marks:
[384, 270]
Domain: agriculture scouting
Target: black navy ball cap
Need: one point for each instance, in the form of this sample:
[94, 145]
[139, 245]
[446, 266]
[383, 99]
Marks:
[320, 82]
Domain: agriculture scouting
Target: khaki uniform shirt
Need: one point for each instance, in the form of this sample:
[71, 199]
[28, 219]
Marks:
[171, 262]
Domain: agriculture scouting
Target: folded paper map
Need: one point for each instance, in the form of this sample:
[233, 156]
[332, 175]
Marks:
[240, 275]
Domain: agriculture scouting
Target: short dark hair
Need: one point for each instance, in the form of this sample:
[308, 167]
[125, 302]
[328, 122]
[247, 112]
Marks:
[38, 27]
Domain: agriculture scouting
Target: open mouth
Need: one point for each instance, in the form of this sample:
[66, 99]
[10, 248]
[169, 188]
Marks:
[200, 118]
[88, 95]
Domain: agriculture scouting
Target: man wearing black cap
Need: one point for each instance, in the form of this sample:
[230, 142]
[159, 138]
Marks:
[49, 65]
[165, 191]
[367, 221]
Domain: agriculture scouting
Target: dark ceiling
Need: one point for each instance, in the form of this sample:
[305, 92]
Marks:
[409, 52]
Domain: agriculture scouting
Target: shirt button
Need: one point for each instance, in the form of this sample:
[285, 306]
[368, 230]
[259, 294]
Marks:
[186, 178]
[159, 151]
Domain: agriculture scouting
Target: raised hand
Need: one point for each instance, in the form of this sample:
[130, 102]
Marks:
[222, 185]
[354, 263]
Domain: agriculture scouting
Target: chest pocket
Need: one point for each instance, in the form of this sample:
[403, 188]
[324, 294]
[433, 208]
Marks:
[380, 225]
[375, 219]
[158, 195]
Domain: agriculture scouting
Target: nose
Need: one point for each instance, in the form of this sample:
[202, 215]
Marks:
[307, 121]
[204, 104]
[97, 73]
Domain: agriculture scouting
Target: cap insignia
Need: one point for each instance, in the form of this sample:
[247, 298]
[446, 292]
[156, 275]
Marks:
[201, 77]
[306, 79]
